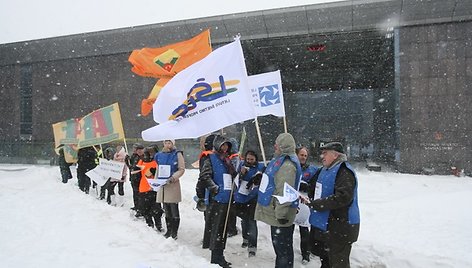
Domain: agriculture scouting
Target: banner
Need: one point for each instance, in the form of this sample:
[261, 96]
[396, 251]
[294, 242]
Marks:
[165, 62]
[267, 94]
[101, 126]
[207, 96]
[66, 137]
[66, 132]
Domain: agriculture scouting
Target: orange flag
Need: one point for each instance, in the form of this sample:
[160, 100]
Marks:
[165, 62]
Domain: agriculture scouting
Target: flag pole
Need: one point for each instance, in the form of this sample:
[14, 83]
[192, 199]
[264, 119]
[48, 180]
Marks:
[126, 145]
[285, 124]
[260, 141]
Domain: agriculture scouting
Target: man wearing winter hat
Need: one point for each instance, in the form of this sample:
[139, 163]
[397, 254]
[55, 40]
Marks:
[334, 215]
[284, 168]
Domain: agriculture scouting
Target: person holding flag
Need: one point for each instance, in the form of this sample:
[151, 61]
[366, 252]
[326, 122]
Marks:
[217, 175]
[283, 170]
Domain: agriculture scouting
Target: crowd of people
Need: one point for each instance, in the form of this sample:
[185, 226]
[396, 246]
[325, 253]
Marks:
[232, 185]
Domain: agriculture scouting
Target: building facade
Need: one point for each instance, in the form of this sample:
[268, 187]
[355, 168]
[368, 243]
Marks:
[390, 78]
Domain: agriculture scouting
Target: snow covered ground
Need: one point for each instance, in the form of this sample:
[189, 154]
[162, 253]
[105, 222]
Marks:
[406, 221]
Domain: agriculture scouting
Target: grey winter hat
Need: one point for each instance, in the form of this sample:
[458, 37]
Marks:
[335, 146]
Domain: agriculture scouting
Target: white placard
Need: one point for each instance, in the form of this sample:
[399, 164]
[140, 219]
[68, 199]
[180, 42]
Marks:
[110, 168]
[156, 183]
[164, 171]
[264, 183]
[227, 181]
[243, 190]
[318, 190]
[96, 177]
[290, 194]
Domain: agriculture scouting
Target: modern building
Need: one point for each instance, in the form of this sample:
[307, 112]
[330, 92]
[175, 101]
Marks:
[392, 79]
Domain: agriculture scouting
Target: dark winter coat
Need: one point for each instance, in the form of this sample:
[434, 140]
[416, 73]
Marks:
[131, 162]
[339, 229]
[64, 166]
[86, 159]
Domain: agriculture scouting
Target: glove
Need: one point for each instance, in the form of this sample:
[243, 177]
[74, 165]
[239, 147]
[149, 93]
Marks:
[201, 206]
[282, 221]
[256, 179]
[153, 171]
[214, 190]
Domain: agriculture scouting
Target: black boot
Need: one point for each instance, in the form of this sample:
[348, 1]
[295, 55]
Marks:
[218, 258]
[158, 222]
[157, 215]
[149, 221]
[169, 228]
[175, 228]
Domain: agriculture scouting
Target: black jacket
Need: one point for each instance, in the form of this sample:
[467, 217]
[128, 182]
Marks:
[86, 159]
[339, 230]
[131, 162]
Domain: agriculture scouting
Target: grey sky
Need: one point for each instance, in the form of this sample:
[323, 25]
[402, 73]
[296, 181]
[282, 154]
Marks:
[22, 20]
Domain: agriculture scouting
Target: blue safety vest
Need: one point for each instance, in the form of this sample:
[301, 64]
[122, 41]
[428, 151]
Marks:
[168, 158]
[242, 198]
[327, 179]
[264, 198]
[218, 170]
[308, 173]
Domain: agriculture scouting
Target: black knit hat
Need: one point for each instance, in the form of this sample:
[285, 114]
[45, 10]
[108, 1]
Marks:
[335, 146]
[208, 145]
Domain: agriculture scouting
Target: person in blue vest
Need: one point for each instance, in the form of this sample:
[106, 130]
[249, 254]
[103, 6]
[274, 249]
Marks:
[245, 199]
[284, 168]
[334, 216]
[308, 171]
[171, 166]
[217, 175]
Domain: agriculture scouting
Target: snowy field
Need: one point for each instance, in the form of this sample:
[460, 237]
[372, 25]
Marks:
[406, 221]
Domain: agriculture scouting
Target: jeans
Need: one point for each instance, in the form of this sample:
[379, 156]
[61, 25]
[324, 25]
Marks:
[249, 230]
[282, 241]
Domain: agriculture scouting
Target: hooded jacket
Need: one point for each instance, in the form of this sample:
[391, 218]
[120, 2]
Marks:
[206, 179]
[275, 211]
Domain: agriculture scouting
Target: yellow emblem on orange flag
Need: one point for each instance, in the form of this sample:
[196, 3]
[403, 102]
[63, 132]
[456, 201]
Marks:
[165, 62]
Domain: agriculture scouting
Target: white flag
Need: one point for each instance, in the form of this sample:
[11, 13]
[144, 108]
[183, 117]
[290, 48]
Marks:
[267, 94]
[207, 96]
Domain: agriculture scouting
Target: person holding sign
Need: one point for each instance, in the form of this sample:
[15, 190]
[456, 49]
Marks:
[217, 175]
[283, 169]
[334, 215]
[171, 166]
[245, 199]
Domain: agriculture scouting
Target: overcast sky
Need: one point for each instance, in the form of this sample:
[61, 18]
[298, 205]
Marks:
[22, 20]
